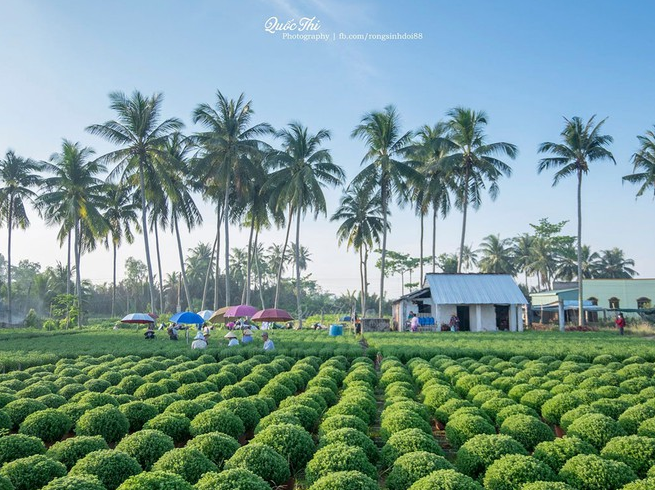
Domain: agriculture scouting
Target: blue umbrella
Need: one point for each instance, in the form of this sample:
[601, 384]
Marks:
[187, 317]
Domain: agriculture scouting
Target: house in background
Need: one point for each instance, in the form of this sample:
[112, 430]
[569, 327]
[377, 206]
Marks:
[634, 297]
[482, 302]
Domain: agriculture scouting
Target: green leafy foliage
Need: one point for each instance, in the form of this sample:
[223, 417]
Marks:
[138, 413]
[446, 479]
[591, 472]
[187, 462]
[479, 452]
[527, 430]
[338, 457]
[638, 452]
[106, 421]
[174, 425]
[146, 446]
[293, 443]
[217, 420]
[75, 482]
[48, 425]
[556, 453]
[595, 428]
[511, 471]
[17, 446]
[407, 441]
[32, 472]
[463, 427]
[235, 479]
[345, 480]
[411, 467]
[70, 451]
[262, 460]
[156, 480]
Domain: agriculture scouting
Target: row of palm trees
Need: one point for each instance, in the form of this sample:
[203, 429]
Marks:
[156, 170]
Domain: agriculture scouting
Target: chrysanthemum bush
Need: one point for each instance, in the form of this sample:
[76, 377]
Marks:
[407, 441]
[75, 482]
[591, 472]
[187, 462]
[111, 467]
[146, 446]
[338, 457]
[234, 479]
[294, 443]
[16, 446]
[479, 452]
[411, 467]
[106, 421]
[156, 480]
[345, 480]
[70, 451]
[352, 437]
[450, 479]
[32, 472]
[511, 471]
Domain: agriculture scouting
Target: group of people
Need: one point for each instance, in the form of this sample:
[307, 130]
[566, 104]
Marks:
[200, 340]
[414, 323]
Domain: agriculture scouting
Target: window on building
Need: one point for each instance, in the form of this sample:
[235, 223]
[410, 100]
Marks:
[644, 303]
[594, 301]
[614, 302]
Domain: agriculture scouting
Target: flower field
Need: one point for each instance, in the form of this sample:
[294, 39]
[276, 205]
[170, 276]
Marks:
[408, 412]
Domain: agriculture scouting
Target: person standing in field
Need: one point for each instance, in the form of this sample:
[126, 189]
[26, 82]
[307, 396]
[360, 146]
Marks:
[268, 343]
[413, 324]
[620, 322]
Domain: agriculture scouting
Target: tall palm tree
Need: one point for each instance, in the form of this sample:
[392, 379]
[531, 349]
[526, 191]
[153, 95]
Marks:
[228, 143]
[360, 214]
[473, 161]
[522, 253]
[468, 260]
[582, 143]
[139, 134]
[644, 164]
[435, 184]
[120, 214]
[386, 169]
[301, 170]
[74, 196]
[496, 255]
[612, 264]
[567, 263]
[18, 176]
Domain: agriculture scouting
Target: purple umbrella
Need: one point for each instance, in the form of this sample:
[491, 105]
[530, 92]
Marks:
[239, 311]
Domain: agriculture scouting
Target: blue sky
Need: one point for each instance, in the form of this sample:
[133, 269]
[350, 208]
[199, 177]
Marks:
[527, 64]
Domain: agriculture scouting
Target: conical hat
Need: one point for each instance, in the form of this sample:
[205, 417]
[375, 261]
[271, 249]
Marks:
[247, 331]
[230, 335]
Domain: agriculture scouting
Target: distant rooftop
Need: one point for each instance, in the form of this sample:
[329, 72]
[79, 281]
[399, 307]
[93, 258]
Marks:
[474, 289]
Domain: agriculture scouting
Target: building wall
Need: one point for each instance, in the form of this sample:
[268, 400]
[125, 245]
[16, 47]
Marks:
[487, 316]
[626, 290]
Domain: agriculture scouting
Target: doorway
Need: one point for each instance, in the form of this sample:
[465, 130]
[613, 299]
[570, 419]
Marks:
[464, 318]
[502, 317]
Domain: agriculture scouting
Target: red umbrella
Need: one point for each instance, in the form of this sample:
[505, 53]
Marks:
[271, 315]
[154, 316]
[239, 311]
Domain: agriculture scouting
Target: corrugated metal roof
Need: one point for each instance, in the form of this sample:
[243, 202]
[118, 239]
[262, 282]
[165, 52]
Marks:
[474, 289]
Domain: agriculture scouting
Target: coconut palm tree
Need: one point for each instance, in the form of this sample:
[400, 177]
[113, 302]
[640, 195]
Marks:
[386, 170]
[496, 255]
[567, 263]
[73, 197]
[582, 144]
[300, 172]
[644, 164]
[435, 185]
[120, 214]
[360, 214]
[522, 254]
[228, 144]
[139, 134]
[468, 260]
[612, 264]
[18, 176]
[473, 162]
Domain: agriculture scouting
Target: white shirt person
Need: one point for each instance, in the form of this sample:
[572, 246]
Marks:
[268, 343]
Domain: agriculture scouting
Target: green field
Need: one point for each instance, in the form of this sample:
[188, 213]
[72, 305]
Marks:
[104, 410]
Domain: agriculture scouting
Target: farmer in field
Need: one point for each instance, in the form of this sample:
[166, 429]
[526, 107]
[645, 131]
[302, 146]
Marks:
[233, 340]
[620, 322]
[268, 343]
[199, 341]
[247, 336]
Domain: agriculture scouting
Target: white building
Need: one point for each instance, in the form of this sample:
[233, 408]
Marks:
[482, 302]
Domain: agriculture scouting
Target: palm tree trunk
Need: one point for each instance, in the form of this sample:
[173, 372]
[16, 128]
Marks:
[421, 252]
[78, 277]
[181, 256]
[298, 269]
[217, 272]
[434, 240]
[113, 284]
[144, 224]
[581, 315]
[465, 210]
[365, 281]
[226, 219]
[161, 282]
[68, 266]
[209, 269]
[362, 296]
[259, 272]
[249, 266]
[384, 248]
[9, 223]
[281, 266]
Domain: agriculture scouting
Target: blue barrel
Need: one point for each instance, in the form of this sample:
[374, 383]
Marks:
[335, 330]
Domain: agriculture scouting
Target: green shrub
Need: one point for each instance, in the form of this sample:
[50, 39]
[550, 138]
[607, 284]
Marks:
[407, 441]
[547, 485]
[106, 421]
[131, 383]
[527, 430]
[511, 471]
[479, 452]
[536, 398]
[188, 408]
[146, 446]
[447, 480]
[32, 472]
[401, 420]
[18, 410]
[138, 413]
[217, 420]
[308, 416]
[71, 450]
[262, 460]
[591, 472]
[338, 457]
[637, 452]
[463, 427]
[631, 419]
[52, 400]
[411, 467]
[596, 429]
[243, 408]
[187, 462]
[75, 482]
[17, 446]
[48, 425]
[495, 405]
[352, 437]
[647, 484]
[110, 466]
[276, 418]
[218, 447]
[572, 415]
[156, 480]
[96, 399]
[514, 410]
[97, 385]
[345, 480]
[174, 425]
[292, 442]
[340, 422]
[236, 479]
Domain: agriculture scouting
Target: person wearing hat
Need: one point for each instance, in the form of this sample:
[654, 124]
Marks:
[199, 341]
[233, 339]
[268, 343]
[247, 336]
